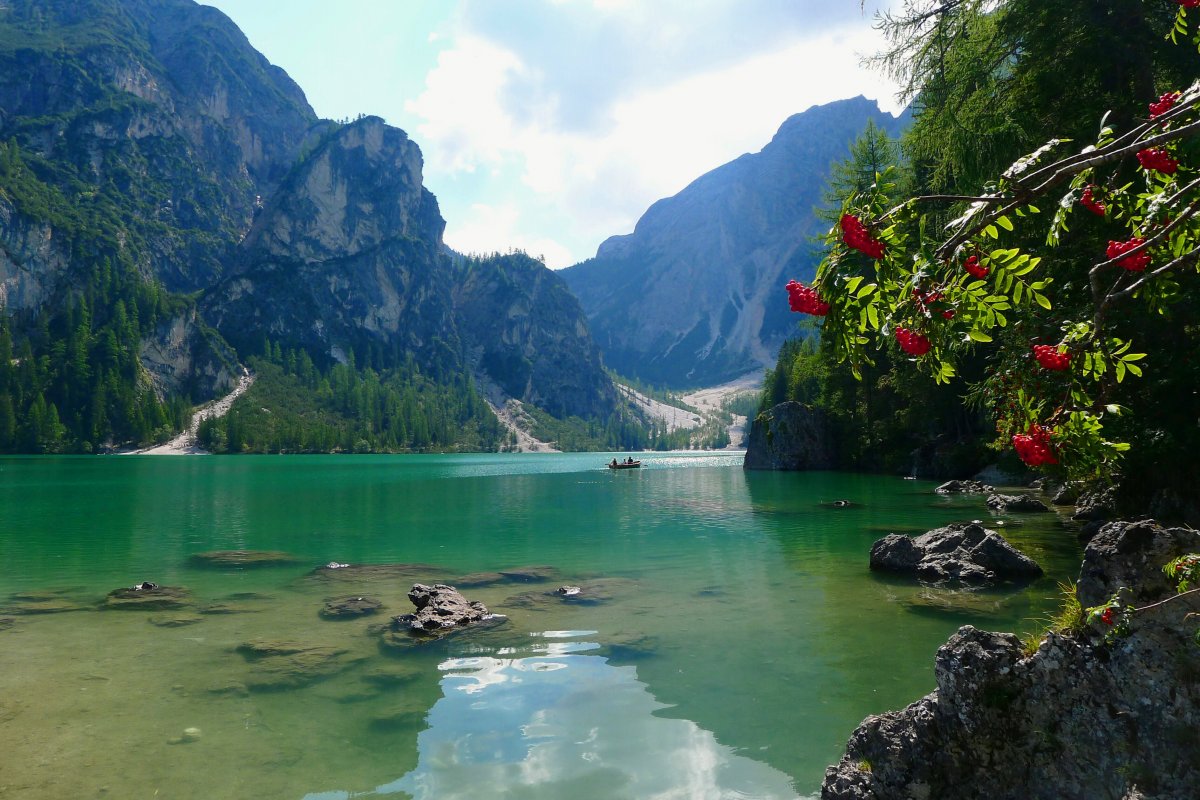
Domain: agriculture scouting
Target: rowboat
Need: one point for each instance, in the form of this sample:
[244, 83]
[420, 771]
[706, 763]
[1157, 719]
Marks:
[624, 465]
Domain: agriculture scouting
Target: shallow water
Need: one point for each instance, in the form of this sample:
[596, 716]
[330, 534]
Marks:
[740, 639]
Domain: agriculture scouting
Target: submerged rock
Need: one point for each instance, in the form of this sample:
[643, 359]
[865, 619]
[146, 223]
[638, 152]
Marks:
[529, 574]
[477, 579]
[41, 602]
[966, 553]
[964, 487]
[350, 607]
[588, 593]
[280, 665]
[147, 596]
[334, 571]
[6, 623]
[175, 620]
[1016, 502]
[1081, 717]
[242, 558]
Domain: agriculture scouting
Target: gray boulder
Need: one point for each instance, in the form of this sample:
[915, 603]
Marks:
[962, 553]
[1016, 502]
[440, 609]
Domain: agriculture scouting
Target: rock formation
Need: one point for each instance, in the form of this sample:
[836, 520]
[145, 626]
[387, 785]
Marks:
[956, 553]
[790, 436]
[1084, 716]
[440, 609]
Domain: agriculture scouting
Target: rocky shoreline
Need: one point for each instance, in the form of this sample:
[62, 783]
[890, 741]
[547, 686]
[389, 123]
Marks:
[1085, 714]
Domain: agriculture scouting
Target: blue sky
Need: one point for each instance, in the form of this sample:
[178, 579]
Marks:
[549, 125]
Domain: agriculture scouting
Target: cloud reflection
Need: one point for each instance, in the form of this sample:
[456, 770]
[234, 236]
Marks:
[569, 725]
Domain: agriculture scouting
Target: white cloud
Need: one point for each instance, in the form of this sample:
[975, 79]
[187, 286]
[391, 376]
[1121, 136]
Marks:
[579, 185]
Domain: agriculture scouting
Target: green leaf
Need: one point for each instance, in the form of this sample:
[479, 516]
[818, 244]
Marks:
[991, 231]
[866, 290]
[1120, 371]
[853, 283]
[1005, 222]
[873, 316]
[1134, 368]
[979, 336]
[1042, 301]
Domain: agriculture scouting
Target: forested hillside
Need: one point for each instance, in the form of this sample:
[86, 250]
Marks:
[170, 207]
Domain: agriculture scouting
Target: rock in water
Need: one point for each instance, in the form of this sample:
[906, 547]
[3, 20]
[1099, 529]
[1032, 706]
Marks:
[1015, 502]
[964, 553]
[790, 436]
[147, 596]
[964, 487]
[440, 609]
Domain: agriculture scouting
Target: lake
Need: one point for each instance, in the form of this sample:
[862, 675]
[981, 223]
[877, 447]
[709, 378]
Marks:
[732, 637]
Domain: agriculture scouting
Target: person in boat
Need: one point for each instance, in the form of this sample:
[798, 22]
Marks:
[614, 463]
[629, 460]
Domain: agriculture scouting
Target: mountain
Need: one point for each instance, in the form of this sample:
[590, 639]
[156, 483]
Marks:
[171, 206]
[694, 296]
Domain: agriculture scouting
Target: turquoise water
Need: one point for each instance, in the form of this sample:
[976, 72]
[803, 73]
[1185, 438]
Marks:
[739, 640]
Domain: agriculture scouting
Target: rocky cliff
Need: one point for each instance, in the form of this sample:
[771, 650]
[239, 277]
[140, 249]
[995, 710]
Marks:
[790, 436]
[527, 333]
[693, 295]
[1083, 716]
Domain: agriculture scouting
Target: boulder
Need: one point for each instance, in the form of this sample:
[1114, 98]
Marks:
[440, 610]
[1016, 502]
[1131, 555]
[597, 591]
[790, 436]
[961, 553]
[964, 487]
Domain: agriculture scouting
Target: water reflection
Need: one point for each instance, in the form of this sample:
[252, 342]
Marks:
[563, 723]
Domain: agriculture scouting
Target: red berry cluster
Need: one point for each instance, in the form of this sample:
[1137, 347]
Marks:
[805, 300]
[1048, 356]
[1033, 446]
[1166, 102]
[855, 235]
[974, 269]
[1109, 615]
[911, 342]
[1152, 158]
[1188, 3]
[929, 302]
[1135, 263]
[1093, 205]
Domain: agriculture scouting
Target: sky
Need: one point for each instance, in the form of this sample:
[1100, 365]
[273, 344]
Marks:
[550, 125]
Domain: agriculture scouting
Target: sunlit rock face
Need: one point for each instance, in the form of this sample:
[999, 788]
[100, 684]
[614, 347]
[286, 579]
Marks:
[694, 295]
